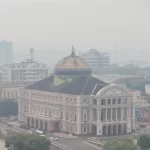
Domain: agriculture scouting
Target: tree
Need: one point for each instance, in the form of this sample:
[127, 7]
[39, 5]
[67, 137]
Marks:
[8, 107]
[144, 142]
[27, 142]
[120, 144]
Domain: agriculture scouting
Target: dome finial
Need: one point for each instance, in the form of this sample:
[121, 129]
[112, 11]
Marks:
[73, 51]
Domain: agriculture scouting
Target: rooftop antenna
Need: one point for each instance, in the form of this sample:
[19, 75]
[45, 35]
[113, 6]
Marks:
[117, 60]
[32, 54]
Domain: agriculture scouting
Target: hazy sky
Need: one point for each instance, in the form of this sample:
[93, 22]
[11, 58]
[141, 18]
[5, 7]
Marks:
[57, 24]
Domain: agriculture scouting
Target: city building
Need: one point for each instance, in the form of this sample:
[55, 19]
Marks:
[147, 88]
[146, 114]
[75, 102]
[6, 52]
[28, 71]
[138, 103]
[10, 91]
[96, 59]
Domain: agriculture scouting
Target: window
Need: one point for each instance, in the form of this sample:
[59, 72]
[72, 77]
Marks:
[4, 94]
[85, 129]
[16, 94]
[75, 118]
[119, 101]
[85, 116]
[84, 100]
[61, 115]
[8, 94]
[108, 101]
[61, 126]
[46, 111]
[95, 101]
[66, 115]
[70, 116]
[103, 102]
[114, 101]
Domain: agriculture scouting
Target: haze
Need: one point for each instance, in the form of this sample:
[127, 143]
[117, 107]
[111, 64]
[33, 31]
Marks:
[52, 26]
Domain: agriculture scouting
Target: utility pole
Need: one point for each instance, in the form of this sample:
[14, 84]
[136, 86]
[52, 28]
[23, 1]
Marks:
[32, 54]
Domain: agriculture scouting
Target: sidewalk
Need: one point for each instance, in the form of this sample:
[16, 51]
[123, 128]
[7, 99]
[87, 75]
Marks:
[63, 135]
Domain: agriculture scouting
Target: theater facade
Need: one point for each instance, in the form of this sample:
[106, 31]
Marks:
[73, 101]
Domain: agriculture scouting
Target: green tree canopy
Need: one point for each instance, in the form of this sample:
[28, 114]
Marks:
[8, 107]
[120, 144]
[27, 142]
[144, 142]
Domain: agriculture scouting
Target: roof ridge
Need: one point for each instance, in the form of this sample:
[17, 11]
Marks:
[85, 85]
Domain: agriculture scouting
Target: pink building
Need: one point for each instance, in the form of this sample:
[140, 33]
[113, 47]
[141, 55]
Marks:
[73, 101]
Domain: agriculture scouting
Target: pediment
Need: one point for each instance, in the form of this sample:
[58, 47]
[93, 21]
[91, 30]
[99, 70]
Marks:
[114, 91]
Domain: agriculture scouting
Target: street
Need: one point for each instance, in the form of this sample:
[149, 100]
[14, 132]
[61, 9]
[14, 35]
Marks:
[74, 143]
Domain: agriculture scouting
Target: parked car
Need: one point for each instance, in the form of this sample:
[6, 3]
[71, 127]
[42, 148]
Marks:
[143, 125]
[24, 127]
[53, 139]
[39, 132]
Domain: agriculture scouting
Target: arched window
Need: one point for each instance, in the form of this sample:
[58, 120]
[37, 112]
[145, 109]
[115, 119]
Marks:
[85, 129]
[75, 118]
[66, 115]
[61, 115]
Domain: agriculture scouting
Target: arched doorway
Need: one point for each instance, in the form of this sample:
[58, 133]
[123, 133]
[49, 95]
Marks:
[37, 124]
[104, 130]
[94, 130]
[56, 126]
[125, 129]
[119, 129]
[114, 130]
[28, 122]
[102, 117]
[41, 125]
[45, 126]
[32, 123]
[70, 128]
[109, 130]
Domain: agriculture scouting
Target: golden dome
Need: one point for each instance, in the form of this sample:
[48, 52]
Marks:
[72, 63]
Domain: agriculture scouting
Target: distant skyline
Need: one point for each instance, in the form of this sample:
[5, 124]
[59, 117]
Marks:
[54, 25]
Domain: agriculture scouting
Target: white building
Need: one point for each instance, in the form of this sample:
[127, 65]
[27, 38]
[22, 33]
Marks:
[6, 52]
[73, 101]
[96, 59]
[25, 72]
